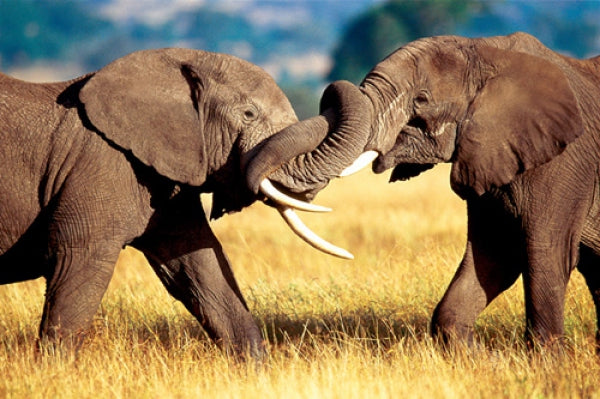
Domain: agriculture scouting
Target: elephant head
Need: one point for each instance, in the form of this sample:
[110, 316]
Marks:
[194, 117]
[494, 107]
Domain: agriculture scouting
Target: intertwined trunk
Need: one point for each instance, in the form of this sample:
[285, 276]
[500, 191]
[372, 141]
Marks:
[305, 156]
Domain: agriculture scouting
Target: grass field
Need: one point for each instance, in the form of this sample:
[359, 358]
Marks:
[335, 328]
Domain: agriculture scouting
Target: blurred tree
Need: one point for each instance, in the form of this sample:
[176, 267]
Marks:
[384, 28]
[33, 30]
[571, 27]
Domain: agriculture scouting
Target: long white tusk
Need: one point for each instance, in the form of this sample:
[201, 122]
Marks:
[363, 160]
[271, 192]
[309, 236]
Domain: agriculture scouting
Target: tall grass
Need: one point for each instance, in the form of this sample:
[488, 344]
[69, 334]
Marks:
[335, 328]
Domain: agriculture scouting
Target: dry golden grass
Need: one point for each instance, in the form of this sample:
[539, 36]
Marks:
[336, 329]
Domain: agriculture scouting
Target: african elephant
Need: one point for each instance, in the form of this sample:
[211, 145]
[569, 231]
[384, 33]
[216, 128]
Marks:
[119, 157]
[521, 126]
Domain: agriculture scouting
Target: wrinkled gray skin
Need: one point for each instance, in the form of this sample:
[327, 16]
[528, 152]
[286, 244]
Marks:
[521, 126]
[120, 157]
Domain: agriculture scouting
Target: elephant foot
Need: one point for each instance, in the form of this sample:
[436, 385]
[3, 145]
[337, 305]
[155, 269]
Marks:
[549, 344]
[448, 331]
[253, 352]
[59, 344]
[242, 343]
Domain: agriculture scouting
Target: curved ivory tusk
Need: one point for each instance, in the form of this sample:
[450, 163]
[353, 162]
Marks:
[309, 236]
[280, 198]
[363, 160]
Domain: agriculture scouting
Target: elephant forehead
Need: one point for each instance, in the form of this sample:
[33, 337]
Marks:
[261, 87]
[274, 103]
[242, 79]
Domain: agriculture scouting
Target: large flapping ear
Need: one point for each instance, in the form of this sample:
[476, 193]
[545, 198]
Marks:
[524, 115]
[146, 102]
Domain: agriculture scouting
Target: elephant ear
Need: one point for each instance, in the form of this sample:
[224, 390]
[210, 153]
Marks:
[146, 102]
[524, 115]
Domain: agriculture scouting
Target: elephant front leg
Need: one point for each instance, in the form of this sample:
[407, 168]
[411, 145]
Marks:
[553, 234]
[492, 262]
[191, 263]
[74, 290]
[478, 280]
[545, 282]
[204, 283]
[589, 266]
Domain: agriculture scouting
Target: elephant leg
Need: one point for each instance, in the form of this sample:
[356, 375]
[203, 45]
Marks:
[589, 266]
[74, 290]
[85, 232]
[204, 283]
[545, 289]
[492, 262]
[552, 254]
[191, 263]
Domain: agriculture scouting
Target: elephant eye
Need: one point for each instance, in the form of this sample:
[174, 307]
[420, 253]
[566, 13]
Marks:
[250, 113]
[422, 98]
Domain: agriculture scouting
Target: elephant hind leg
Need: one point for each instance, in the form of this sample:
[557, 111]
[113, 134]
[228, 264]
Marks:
[589, 266]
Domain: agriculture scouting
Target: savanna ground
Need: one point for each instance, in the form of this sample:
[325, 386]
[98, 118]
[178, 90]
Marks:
[335, 328]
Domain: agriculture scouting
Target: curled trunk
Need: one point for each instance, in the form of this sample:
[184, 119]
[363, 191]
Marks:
[305, 156]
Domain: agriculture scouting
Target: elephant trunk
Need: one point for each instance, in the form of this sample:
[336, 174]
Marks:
[389, 93]
[291, 142]
[306, 155]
